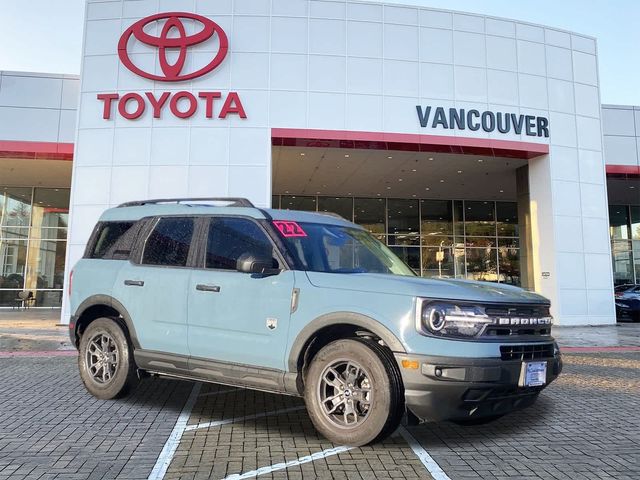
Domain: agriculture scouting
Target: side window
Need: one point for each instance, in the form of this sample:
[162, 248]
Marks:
[228, 238]
[169, 242]
[113, 239]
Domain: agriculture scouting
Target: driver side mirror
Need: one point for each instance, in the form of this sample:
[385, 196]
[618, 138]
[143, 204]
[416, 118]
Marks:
[250, 263]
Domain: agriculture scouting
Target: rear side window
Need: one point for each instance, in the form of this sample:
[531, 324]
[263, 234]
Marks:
[113, 240]
[229, 238]
[169, 242]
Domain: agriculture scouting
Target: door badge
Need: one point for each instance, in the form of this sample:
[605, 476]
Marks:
[272, 323]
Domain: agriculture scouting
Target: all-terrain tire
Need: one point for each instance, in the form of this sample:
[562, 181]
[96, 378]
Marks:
[385, 392]
[105, 360]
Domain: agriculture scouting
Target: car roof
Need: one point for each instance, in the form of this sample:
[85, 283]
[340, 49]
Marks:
[136, 212]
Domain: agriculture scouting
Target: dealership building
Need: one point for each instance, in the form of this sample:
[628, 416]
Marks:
[475, 147]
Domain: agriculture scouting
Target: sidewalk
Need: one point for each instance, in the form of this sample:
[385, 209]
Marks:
[33, 330]
[610, 337]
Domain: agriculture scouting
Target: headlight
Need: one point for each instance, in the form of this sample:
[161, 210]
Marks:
[452, 320]
[446, 318]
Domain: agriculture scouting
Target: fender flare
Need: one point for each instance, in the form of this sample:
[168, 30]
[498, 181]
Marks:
[113, 303]
[338, 318]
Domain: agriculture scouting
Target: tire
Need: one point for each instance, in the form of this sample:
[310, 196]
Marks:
[470, 422]
[115, 378]
[353, 392]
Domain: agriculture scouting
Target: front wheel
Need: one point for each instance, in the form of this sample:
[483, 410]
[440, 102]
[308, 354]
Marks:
[105, 360]
[353, 392]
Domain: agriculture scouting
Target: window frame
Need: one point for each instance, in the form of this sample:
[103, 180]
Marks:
[263, 225]
[150, 224]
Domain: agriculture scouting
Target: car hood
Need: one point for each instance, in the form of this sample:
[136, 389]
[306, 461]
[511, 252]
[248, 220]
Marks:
[450, 289]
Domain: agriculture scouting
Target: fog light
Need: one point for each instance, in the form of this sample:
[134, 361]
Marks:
[438, 372]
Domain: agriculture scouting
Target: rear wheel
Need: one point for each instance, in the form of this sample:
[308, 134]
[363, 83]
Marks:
[353, 392]
[105, 360]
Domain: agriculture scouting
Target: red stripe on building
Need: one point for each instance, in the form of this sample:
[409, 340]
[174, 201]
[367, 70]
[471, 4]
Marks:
[293, 137]
[623, 169]
[36, 150]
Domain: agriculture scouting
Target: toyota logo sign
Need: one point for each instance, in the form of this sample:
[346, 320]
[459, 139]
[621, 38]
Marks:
[173, 23]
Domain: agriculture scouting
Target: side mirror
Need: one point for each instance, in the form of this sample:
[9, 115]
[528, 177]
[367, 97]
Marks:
[250, 263]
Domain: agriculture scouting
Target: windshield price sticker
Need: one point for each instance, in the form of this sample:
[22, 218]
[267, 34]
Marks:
[289, 229]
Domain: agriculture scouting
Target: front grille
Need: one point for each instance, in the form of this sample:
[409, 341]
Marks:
[517, 310]
[525, 315]
[526, 352]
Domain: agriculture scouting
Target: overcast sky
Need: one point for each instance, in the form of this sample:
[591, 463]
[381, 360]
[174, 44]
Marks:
[46, 35]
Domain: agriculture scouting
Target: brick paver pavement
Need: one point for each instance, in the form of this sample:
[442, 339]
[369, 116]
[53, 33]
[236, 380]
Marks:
[586, 425]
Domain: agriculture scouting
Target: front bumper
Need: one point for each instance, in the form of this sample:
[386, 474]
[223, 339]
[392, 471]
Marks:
[454, 388]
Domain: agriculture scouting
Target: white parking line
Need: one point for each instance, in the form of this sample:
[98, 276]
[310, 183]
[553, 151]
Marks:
[171, 445]
[427, 460]
[217, 423]
[282, 466]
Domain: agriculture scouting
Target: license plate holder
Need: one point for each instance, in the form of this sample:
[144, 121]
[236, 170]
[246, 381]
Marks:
[533, 374]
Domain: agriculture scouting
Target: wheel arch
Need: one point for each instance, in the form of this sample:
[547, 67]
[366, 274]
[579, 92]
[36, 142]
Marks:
[333, 322]
[98, 306]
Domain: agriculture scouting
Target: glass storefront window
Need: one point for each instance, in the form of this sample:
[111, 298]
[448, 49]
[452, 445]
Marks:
[635, 223]
[509, 265]
[437, 217]
[477, 242]
[622, 262]
[482, 264]
[418, 229]
[412, 239]
[619, 222]
[370, 213]
[403, 216]
[458, 218]
[296, 202]
[507, 219]
[33, 232]
[13, 259]
[480, 219]
[343, 206]
[15, 206]
[438, 262]
[636, 259]
[436, 241]
[45, 268]
[410, 256]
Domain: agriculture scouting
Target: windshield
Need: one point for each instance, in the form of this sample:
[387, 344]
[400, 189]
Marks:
[336, 249]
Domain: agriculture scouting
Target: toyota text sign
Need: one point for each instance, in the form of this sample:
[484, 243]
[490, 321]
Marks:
[172, 46]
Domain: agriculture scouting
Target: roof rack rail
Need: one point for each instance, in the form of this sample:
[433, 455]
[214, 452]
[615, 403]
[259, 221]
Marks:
[233, 201]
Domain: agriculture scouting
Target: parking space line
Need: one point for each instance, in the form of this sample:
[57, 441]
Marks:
[284, 465]
[171, 445]
[217, 423]
[427, 460]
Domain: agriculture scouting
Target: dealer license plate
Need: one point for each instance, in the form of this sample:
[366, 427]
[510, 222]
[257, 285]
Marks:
[534, 374]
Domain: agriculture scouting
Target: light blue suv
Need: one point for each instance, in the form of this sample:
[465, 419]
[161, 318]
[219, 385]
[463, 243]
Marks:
[304, 304]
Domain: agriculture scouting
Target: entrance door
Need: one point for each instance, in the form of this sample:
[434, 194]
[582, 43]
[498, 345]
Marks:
[155, 291]
[238, 317]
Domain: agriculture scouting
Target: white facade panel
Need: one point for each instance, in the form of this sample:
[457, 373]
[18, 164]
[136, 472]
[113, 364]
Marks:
[353, 66]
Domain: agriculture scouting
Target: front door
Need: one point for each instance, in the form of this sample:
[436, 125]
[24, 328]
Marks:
[238, 317]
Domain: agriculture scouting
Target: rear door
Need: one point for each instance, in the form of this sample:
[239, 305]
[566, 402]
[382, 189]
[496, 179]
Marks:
[238, 317]
[153, 288]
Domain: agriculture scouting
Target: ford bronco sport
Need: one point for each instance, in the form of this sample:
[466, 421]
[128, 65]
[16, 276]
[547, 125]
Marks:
[304, 304]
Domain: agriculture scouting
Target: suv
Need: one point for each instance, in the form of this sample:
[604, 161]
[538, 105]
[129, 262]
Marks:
[305, 304]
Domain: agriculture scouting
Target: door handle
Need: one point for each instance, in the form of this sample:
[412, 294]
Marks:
[208, 288]
[134, 283]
